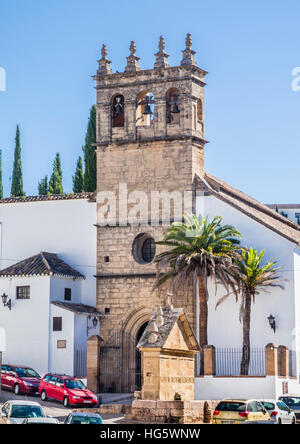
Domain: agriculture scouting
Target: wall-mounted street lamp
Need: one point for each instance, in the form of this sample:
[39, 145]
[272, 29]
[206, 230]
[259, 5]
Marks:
[94, 322]
[6, 303]
[272, 322]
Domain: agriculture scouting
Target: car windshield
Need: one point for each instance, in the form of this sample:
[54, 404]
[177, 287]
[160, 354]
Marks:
[26, 411]
[268, 405]
[27, 372]
[86, 420]
[229, 406]
[74, 384]
[291, 401]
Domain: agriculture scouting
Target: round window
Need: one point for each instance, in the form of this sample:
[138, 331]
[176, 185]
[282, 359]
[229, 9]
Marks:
[143, 248]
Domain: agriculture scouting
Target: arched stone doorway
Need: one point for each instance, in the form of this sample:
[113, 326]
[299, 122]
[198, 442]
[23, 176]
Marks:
[131, 360]
[138, 361]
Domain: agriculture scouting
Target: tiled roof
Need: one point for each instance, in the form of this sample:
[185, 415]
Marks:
[77, 308]
[249, 206]
[39, 265]
[170, 316]
[47, 197]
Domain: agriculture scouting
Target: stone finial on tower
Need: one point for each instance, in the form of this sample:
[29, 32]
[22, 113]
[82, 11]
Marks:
[104, 63]
[188, 53]
[132, 60]
[161, 57]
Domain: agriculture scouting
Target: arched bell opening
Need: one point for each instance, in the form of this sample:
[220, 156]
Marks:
[145, 109]
[172, 106]
[117, 111]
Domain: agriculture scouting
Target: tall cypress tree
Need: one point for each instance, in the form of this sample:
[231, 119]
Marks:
[78, 179]
[55, 182]
[43, 186]
[17, 176]
[1, 184]
[90, 178]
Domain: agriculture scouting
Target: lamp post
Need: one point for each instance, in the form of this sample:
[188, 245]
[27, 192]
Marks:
[94, 322]
[6, 303]
[272, 322]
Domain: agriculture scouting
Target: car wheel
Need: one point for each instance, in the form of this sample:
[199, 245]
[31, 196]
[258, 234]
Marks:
[294, 420]
[17, 389]
[279, 421]
[66, 401]
[44, 396]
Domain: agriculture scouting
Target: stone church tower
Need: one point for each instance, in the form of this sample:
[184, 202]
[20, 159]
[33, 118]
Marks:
[150, 137]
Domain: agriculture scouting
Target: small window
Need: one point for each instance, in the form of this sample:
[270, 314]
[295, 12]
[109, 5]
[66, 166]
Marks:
[68, 294]
[106, 259]
[57, 324]
[47, 377]
[23, 292]
[107, 311]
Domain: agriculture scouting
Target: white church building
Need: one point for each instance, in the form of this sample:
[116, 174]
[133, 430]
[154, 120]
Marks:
[47, 284]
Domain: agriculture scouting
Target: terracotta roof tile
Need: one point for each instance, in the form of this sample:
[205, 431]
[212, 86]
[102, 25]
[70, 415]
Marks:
[77, 308]
[249, 206]
[48, 197]
[40, 265]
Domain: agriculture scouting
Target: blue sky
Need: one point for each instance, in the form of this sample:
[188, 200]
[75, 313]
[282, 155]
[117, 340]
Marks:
[49, 51]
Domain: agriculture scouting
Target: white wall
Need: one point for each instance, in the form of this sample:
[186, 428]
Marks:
[224, 328]
[62, 359]
[27, 324]
[210, 388]
[58, 285]
[65, 227]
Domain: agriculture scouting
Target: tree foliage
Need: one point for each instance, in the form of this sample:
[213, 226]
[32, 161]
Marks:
[90, 173]
[55, 182]
[78, 178]
[17, 175]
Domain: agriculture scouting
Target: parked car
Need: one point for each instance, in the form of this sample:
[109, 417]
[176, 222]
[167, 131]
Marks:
[69, 390]
[14, 412]
[19, 379]
[293, 402]
[279, 412]
[237, 411]
[83, 418]
[40, 421]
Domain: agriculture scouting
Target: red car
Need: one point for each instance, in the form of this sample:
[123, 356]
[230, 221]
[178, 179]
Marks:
[20, 379]
[66, 389]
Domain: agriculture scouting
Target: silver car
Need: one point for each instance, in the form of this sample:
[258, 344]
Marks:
[279, 412]
[14, 412]
[293, 402]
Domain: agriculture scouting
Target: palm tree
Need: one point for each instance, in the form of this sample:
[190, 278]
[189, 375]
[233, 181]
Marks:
[198, 249]
[251, 277]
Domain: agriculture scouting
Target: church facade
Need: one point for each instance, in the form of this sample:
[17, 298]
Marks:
[151, 144]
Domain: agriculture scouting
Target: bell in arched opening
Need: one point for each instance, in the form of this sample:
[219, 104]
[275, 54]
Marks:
[117, 111]
[173, 107]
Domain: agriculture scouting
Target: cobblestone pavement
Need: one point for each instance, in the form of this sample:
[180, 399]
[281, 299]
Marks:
[57, 410]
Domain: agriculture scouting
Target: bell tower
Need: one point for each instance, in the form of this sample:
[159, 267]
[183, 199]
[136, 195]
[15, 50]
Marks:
[150, 142]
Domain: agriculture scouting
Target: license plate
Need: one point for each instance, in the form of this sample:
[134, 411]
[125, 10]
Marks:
[87, 402]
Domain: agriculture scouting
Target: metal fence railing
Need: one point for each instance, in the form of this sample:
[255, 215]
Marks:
[228, 362]
[80, 363]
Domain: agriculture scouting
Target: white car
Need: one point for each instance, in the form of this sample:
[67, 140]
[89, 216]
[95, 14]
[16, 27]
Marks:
[14, 412]
[279, 412]
[40, 421]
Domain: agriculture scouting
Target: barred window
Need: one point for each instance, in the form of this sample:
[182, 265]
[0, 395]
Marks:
[23, 292]
[57, 324]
